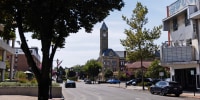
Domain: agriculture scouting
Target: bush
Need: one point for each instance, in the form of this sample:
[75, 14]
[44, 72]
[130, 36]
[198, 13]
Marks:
[20, 75]
[22, 80]
[34, 81]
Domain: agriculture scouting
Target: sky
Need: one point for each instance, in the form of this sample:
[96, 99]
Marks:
[81, 47]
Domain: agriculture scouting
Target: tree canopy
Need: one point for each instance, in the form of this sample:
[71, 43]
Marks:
[108, 74]
[139, 42]
[154, 69]
[92, 68]
[51, 21]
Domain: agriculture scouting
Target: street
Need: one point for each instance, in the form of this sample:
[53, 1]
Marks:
[107, 92]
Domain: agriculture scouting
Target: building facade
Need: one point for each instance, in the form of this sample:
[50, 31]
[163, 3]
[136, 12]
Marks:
[6, 56]
[181, 51]
[110, 59]
[21, 63]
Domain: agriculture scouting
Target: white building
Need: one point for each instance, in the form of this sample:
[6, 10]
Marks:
[181, 51]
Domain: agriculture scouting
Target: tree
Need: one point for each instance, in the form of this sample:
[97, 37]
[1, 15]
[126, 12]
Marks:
[71, 73]
[138, 73]
[61, 72]
[92, 68]
[108, 73]
[154, 69]
[51, 21]
[139, 42]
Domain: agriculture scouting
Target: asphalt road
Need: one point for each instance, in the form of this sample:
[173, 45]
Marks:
[106, 92]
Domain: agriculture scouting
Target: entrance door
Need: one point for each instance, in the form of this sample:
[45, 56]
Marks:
[184, 77]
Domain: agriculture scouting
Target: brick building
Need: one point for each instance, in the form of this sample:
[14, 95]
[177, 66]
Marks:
[110, 59]
[21, 63]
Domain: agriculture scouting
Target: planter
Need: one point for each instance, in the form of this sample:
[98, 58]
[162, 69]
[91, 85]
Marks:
[29, 91]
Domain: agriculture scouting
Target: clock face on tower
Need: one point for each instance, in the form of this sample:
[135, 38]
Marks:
[104, 34]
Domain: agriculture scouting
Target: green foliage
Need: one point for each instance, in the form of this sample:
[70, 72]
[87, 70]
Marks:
[24, 84]
[23, 80]
[108, 73]
[139, 42]
[73, 78]
[20, 75]
[6, 75]
[71, 73]
[154, 69]
[33, 81]
[122, 76]
[51, 21]
[138, 73]
[92, 68]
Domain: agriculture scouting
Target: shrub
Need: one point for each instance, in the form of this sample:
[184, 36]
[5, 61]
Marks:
[23, 80]
[20, 74]
[33, 81]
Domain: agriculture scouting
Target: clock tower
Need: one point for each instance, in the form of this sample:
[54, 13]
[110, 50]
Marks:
[103, 38]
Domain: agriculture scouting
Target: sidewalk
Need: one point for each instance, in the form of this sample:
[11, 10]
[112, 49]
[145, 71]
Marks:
[22, 97]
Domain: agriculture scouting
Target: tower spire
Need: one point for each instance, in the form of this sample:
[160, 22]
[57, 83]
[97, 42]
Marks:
[104, 27]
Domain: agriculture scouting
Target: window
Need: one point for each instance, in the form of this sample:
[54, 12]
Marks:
[104, 62]
[114, 63]
[162, 84]
[187, 21]
[175, 24]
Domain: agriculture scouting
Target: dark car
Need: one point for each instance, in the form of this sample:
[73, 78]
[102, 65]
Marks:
[130, 82]
[166, 87]
[113, 81]
[70, 84]
[88, 81]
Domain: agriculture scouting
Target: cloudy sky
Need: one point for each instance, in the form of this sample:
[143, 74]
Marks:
[82, 46]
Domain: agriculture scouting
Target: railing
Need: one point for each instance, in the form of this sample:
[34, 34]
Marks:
[178, 54]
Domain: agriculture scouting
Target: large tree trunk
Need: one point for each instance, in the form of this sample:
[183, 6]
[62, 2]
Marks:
[43, 89]
[42, 75]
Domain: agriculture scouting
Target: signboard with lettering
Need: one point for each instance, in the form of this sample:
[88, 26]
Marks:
[178, 5]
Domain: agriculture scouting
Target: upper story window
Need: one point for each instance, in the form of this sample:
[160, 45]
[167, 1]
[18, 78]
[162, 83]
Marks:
[175, 24]
[114, 63]
[187, 21]
[122, 63]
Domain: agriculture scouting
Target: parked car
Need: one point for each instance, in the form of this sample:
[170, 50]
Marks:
[154, 81]
[88, 81]
[130, 82]
[70, 84]
[148, 81]
[166, 87]
[113, 81]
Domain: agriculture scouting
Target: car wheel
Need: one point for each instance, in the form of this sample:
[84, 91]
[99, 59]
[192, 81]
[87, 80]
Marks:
[151, 91]
[177, 95]
[163, 93]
